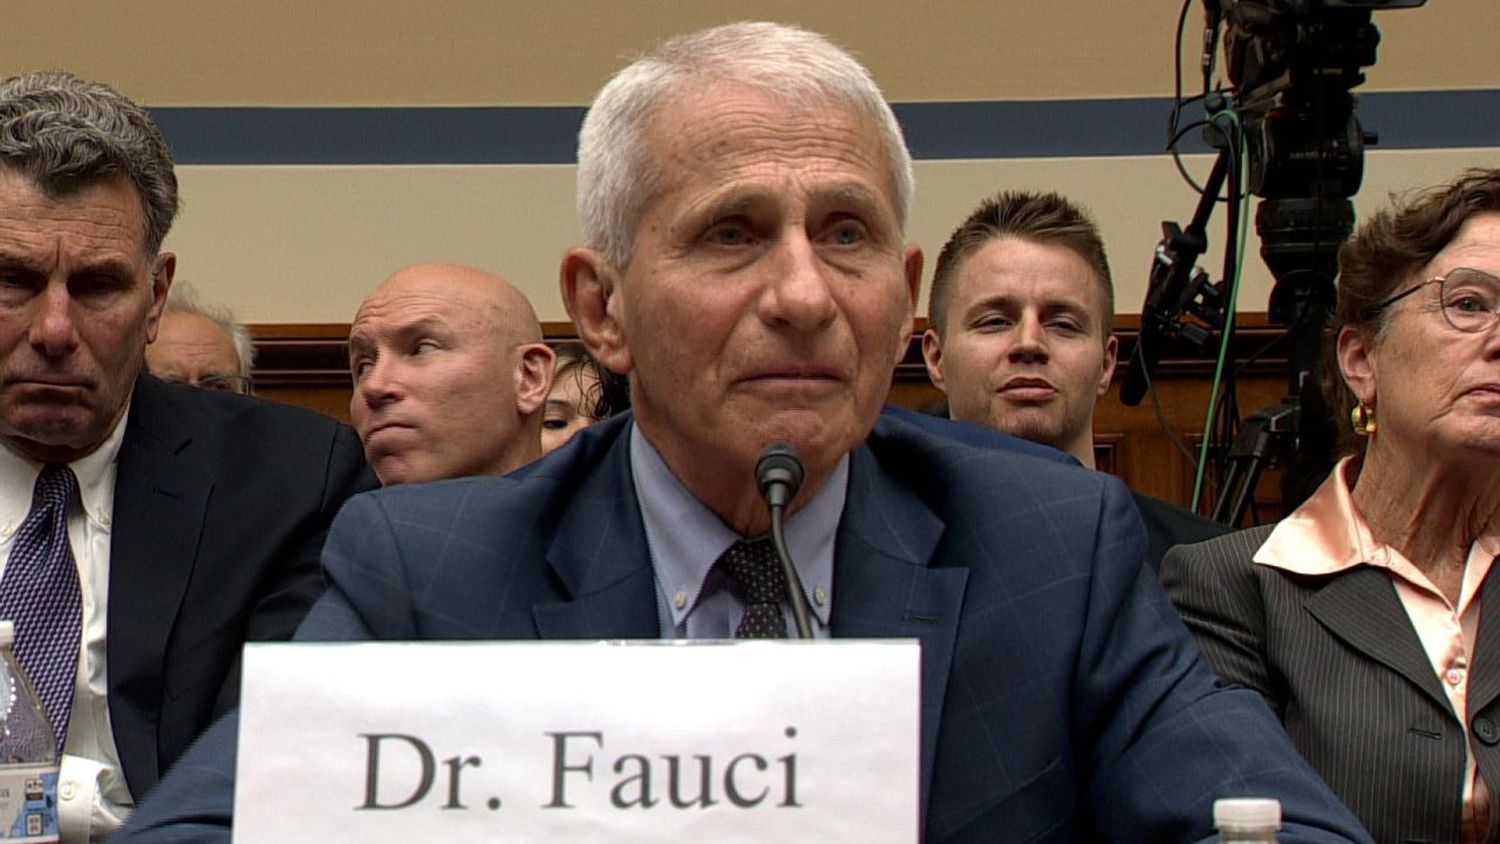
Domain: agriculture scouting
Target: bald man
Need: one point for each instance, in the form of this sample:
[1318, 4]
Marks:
[450, 375]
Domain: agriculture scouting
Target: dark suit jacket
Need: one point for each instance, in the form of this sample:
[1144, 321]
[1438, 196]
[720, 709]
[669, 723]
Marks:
[1062, 700]
[1338, 659]
[1168, 525]
[978, 435]
[221, 506]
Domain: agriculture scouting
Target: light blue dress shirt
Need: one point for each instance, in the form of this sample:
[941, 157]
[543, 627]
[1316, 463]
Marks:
[685, 539]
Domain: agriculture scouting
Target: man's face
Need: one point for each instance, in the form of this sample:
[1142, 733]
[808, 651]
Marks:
[1025, 350]
[191, 349]
[770, 294]
[78, 302]
[434, 381]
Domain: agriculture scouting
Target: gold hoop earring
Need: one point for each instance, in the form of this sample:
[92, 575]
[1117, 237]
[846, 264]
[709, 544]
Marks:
[1362, 417]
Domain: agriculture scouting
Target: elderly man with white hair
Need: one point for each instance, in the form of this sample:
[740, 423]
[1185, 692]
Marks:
[743, 192]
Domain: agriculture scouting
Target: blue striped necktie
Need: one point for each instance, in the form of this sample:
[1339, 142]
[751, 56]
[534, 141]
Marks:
[40, 593]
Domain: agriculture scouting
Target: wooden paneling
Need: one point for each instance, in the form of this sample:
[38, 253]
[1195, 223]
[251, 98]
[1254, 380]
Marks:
[306, 364]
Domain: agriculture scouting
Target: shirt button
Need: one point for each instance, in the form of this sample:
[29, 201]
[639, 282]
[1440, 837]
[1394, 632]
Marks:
[1454, 676]
[65, 791]
[820, 596]
[6, 531]
[680, 599]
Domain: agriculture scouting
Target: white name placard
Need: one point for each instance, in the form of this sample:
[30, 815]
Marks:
[579, 742]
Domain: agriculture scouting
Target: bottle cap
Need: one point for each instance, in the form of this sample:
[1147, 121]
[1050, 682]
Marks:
[1247, 813]
[7, 633]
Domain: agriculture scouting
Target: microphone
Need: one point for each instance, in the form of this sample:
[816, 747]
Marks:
[779, 475]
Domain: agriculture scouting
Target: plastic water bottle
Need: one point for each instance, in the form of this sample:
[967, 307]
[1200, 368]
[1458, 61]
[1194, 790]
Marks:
[28, 754]
[1247, 820]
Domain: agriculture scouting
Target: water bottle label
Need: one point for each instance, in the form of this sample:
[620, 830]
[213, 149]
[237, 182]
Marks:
[28, 803]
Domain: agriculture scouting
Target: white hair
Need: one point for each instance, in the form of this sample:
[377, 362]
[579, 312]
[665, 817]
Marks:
[183, 299]
[618, 175]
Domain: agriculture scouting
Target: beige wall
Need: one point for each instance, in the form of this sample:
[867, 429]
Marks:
[303, 244]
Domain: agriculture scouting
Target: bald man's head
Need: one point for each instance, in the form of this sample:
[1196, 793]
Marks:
[450, 375]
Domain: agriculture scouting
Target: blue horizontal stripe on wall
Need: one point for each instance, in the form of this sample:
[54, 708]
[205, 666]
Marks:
[935, 131]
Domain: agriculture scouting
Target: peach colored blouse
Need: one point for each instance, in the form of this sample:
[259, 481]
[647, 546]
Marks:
[1327, 535]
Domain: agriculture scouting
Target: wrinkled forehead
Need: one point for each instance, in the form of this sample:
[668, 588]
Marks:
[111, 200]
[185, 327]
[397, 313]
[703, 126]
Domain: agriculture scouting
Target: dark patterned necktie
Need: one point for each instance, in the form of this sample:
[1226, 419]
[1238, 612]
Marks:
[40, 593]
[756, 578]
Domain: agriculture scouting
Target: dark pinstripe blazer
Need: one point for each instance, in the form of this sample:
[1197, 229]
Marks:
[1339, 661]
[1062, 699]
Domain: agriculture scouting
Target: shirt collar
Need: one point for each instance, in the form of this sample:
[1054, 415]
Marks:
[1327, 535]
[95, 472]
[685, 538]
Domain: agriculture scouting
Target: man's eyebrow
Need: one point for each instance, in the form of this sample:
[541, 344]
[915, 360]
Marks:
[359, 343]
[1055, 305]
[857, 195]
[106, 266]
[995, 301]
[731, 204]
[365, 337]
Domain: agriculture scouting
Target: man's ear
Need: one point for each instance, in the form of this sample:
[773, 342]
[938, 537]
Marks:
[164, 267]
[912, 268]
[932, 355]
[1356, 363]
[535, 366]
[591, 293]
[1111, 358]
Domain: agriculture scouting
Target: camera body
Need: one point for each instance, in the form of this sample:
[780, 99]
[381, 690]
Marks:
[1294, 65]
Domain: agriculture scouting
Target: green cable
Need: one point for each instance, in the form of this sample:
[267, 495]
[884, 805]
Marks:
[1229, 311]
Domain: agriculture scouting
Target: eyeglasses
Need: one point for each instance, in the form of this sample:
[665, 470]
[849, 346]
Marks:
[223, 383]
[1470, 299]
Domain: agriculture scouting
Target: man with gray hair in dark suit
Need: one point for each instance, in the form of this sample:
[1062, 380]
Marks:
[147, 530]
[743, 192]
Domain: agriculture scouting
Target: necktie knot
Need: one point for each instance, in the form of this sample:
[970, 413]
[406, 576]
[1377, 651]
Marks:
[755, 576]
[54, 487]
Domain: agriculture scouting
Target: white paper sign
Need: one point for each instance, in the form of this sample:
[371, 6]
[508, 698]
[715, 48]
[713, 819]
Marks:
[579, 742]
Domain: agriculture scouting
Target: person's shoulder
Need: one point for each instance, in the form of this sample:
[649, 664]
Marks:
[1035, 503]
[975, 435]
[1183, 525]
[1235, 547]
[206, 411]
[536, 493]
[930, 456]
[256, 441]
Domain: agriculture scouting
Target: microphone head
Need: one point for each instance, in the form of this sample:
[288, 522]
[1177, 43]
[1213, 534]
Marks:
[779, 466]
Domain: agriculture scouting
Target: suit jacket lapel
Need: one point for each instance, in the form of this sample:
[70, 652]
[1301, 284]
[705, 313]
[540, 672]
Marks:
[1361, 607]
[600, 556]
[1486, 684]
[161, 493]
[884, 588]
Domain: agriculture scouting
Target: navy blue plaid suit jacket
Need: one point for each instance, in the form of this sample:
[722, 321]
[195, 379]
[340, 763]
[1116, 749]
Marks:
[1062, 699]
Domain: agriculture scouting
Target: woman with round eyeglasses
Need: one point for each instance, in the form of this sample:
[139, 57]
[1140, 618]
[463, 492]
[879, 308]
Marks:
[1367, 618]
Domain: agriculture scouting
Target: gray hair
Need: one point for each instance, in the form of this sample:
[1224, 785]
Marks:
[183, 299]
[65, 133]
[617, 173]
